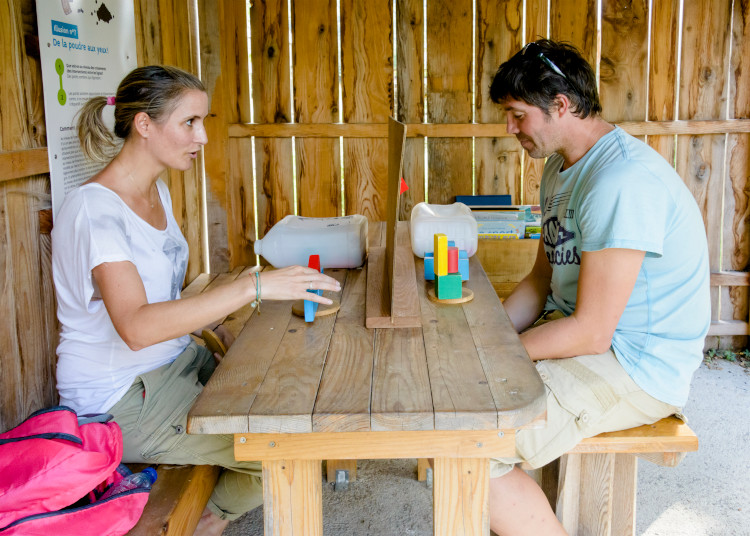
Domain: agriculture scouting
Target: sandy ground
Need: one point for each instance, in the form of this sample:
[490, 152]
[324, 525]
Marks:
[706, 495]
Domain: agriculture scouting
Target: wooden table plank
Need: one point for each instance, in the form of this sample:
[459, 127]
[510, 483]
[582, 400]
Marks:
[511, 375]
[401, 398]
[286, 398]
[224, 404]
[460, 393]
[343, 403]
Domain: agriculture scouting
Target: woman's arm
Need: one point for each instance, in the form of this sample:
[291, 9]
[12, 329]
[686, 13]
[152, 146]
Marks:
[141, 324]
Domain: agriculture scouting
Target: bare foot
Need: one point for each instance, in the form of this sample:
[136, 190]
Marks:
[210, 524]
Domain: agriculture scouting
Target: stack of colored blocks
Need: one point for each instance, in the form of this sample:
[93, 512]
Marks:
[447, 266]
[311, 307]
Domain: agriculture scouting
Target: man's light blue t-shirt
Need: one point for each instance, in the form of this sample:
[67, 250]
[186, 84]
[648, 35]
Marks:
[622, 194]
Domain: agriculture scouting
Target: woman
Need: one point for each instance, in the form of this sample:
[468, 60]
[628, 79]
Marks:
[119, 262]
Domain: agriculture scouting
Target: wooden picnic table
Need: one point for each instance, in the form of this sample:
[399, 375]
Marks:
[296, 393]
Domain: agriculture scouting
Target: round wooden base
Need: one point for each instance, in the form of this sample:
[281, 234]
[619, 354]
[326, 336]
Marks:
[466, 296]
[213, 342]
[323, 310]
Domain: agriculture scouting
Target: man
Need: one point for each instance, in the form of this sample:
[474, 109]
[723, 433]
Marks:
[616, 307]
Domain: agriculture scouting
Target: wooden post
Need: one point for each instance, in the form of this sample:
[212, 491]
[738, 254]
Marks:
[461, 503]
[293, 498]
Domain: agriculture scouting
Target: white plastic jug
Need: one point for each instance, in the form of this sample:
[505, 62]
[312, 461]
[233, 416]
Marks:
[340, 242]
[455, 221]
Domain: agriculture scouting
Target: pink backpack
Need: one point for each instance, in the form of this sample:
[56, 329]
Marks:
[52, 471]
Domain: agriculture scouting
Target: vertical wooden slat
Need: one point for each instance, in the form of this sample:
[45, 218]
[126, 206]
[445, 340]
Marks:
[624, 60]
[271, 101]
[236, 96]
[184, 186]
[409, 51]
[700, 158]
[536, 28]
[224, 47]
[367, 78]
[574, 21]
[498, 160]
[736, 225]
[27, 330]
[316, 101]
[662, 91]
[449, 78]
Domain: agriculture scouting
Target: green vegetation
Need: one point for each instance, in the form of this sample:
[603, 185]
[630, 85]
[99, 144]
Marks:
[742, 357]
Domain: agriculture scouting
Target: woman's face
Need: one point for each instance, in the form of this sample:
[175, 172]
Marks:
[177, 139]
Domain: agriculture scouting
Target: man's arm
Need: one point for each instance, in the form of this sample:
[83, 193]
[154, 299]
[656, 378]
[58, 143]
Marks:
[605, 282]
[526, 302]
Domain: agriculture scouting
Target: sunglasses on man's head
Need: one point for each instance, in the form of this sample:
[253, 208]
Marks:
[532, 49]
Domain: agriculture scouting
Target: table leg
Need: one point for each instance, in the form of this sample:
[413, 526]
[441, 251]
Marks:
[461, 504]
[292, 498]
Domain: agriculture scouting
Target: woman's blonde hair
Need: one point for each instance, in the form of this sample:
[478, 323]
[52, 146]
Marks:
[154, 89]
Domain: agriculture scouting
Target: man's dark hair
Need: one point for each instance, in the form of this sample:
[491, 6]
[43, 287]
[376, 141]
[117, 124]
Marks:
[544, 69]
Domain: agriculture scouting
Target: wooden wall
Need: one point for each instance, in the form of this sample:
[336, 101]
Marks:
[28, 325]
[672, 75]
[297, 125]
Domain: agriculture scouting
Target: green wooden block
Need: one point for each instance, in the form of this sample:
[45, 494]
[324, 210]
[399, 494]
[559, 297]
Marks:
[448, 287]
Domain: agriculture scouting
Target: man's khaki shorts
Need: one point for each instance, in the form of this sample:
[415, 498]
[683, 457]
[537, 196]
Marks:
[586, 395]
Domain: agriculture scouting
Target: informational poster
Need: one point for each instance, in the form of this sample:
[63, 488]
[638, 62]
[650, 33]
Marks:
[87, 47]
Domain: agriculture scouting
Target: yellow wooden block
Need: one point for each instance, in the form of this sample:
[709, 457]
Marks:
[440, 253]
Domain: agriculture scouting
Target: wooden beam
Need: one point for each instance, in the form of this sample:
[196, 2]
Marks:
[375, 445]
[730, 279]
[467, 130]
[728, 327]
[23, 163]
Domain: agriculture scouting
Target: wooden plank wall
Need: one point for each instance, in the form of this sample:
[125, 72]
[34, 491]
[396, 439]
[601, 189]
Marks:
[670, 74]
[297, 125]
[28, 325]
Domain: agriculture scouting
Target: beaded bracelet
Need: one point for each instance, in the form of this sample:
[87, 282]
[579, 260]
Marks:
[256, 302]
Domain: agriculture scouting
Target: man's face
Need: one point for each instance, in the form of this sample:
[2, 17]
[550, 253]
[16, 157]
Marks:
[535, 130]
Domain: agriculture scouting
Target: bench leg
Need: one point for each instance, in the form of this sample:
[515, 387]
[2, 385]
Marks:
[423, 464]
[292, 498]
[596, 494]
[461, 497]
[337, 465]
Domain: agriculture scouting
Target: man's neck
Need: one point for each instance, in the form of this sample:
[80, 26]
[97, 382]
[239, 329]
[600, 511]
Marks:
[582, 135]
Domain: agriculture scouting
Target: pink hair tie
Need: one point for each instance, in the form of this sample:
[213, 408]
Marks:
[110, 101]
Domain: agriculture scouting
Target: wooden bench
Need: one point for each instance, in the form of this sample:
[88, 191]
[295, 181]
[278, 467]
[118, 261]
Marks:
[177, 500]
[592, 488]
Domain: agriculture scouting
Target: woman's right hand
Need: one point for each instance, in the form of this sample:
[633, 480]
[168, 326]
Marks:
[293, 282]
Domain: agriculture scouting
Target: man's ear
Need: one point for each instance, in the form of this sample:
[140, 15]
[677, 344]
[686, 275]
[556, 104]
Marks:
[142, 124]
[560, 105]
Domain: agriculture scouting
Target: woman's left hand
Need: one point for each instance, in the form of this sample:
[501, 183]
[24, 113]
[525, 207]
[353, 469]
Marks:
[293, 282]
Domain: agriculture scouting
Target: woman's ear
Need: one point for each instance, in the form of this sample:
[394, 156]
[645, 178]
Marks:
[142, 124]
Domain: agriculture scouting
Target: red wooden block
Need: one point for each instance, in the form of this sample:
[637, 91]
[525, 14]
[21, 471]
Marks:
[452, 260]
[314, 262]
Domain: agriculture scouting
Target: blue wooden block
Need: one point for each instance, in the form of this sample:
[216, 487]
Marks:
[463, 264]
[311, 307]
[451, 244]
[429, 267]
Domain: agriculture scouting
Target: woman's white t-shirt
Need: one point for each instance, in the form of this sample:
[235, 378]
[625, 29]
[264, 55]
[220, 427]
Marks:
[95, 367]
